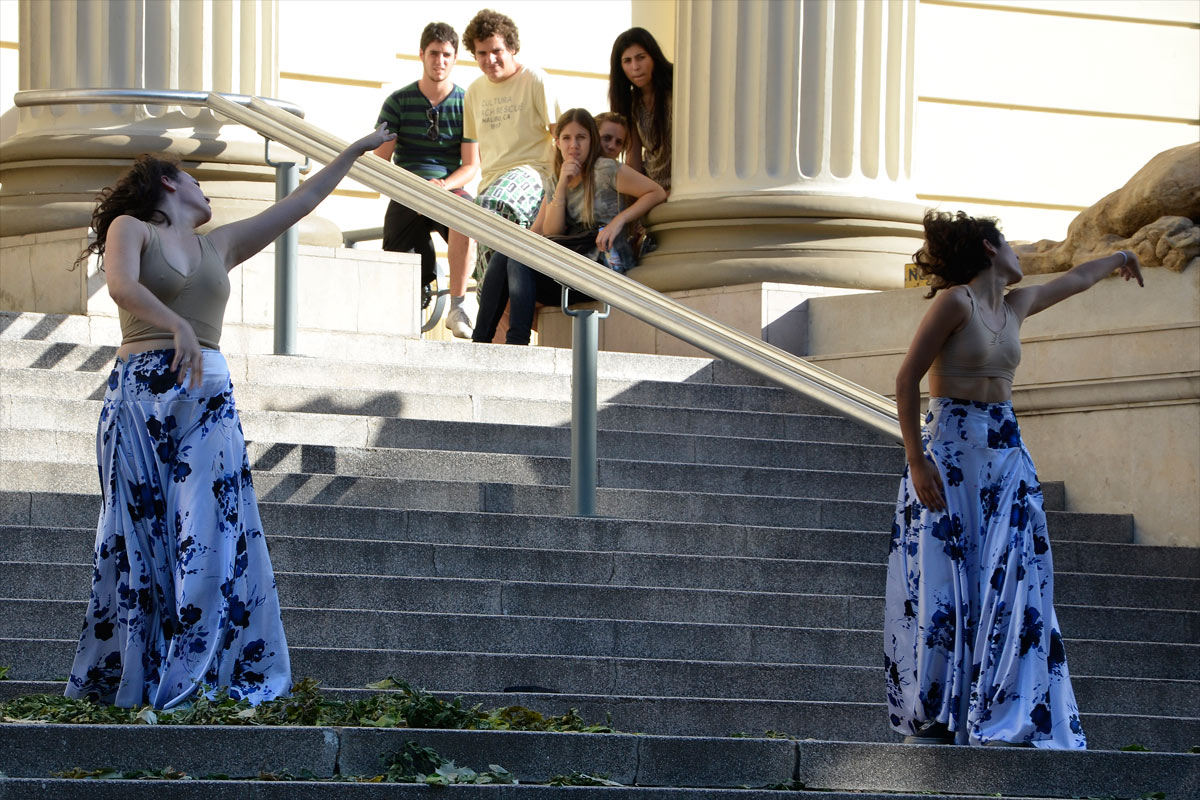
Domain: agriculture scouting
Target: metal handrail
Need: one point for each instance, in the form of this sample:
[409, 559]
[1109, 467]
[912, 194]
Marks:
[149, 97]
[637, 300]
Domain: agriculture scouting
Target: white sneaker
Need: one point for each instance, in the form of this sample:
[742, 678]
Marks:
[459, 322]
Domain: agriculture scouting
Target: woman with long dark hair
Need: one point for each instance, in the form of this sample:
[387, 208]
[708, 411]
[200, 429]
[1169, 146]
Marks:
[640, 84]
[581, 201]
[972, 647]
[183, 596]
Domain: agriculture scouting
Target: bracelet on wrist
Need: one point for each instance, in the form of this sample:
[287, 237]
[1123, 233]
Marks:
[1125, 257]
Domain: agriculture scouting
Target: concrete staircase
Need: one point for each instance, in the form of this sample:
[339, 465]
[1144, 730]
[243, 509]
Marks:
[416, 508]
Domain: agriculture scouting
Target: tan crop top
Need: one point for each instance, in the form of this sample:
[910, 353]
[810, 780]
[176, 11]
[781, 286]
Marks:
[977, 351]
[198, 297]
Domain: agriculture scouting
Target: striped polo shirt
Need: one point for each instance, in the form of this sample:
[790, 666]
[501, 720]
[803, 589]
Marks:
[423, 147]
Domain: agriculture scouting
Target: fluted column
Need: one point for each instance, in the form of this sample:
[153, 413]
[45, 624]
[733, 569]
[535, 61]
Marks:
[792, 146]
[61, 156]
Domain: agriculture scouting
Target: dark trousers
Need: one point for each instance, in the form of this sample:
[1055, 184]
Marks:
[509, 282]
[406, 231]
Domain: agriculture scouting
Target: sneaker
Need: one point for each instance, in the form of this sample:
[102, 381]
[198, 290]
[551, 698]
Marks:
[459, 322]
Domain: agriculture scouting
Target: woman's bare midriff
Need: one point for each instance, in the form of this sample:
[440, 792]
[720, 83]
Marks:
[133, 348]
[983, 390]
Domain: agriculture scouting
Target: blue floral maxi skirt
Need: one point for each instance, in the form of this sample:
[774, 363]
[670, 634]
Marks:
[970, 636]
[183, 595]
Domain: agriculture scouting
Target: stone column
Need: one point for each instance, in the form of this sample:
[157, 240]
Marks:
[792, 146]
[61, 156]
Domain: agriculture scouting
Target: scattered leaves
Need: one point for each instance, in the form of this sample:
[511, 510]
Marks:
[399, 705]
[581, 779]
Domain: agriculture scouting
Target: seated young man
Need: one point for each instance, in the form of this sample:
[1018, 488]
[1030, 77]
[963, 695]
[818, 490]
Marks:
[427, 118]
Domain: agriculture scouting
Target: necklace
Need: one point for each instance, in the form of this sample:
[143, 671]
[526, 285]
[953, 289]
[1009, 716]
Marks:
[995, 334]
[1003, 310]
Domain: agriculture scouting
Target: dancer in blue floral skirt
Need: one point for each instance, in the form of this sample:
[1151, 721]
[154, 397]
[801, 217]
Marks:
[972, 647]
[183, 595]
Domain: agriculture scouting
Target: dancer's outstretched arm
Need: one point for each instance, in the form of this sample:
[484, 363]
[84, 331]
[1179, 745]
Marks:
[1029, 300]
[239, 240]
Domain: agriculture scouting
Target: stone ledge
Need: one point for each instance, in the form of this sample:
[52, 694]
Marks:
[38, 750]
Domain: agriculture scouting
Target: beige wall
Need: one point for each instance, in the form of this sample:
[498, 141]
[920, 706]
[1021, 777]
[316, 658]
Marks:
[1038, 108]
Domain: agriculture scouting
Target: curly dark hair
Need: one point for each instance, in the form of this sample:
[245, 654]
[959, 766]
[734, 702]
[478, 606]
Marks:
[439, 32]
[953, 253]
[624, 97]
[137, 193]
[488, 23]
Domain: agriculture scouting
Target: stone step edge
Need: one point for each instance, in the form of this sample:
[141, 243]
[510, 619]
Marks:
[561, 461]
[257, 789]
[69, 644]
[532, 618]
[614, 386]
[479, 399]
[350, 540]
[309, 476]
[628, 759]
[881, 448]
[76, 497]
[1192, 583]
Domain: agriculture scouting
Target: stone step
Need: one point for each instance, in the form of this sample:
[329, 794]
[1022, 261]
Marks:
[360, 558]
[57, 371]
[506, 498]
[1093, 663]
[357, 429]
[533, 440]
[637, 598]
[441, 465]
[474, 596]
[372, 546]
[455, 673]
[262, 789]
[645, 504]
[803, 719]
[773, 640]
[668, 761]
[55, 511]
[51, 340]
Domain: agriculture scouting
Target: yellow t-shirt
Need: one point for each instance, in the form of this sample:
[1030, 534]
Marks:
[512, 121]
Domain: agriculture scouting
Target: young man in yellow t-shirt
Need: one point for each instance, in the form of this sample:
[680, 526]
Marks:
[511, 112]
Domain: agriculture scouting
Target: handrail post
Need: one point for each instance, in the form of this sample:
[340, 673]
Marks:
[287, 178]
[585, 346]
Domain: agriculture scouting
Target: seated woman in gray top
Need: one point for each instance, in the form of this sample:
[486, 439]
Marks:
[972, 647]
[183, 596]
[584, 195]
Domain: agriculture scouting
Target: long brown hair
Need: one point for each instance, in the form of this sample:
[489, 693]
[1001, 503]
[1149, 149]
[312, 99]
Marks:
[625, 98]
[137, 193]
[581, 117]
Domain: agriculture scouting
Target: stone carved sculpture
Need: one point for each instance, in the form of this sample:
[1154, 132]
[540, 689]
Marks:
[1156, 215]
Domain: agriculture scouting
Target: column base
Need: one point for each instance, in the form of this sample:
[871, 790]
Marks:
[820, 240]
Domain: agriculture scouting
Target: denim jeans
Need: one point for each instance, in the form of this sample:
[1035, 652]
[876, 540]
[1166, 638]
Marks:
[509, 281]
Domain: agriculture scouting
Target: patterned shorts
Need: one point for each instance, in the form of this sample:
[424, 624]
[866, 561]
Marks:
[516, 195]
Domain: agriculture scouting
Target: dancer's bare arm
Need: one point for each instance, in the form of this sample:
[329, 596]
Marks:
[948, 313]
[239, 240]
[1029, 300]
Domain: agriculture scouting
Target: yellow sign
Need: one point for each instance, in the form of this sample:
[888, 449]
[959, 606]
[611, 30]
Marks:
[912, 277]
